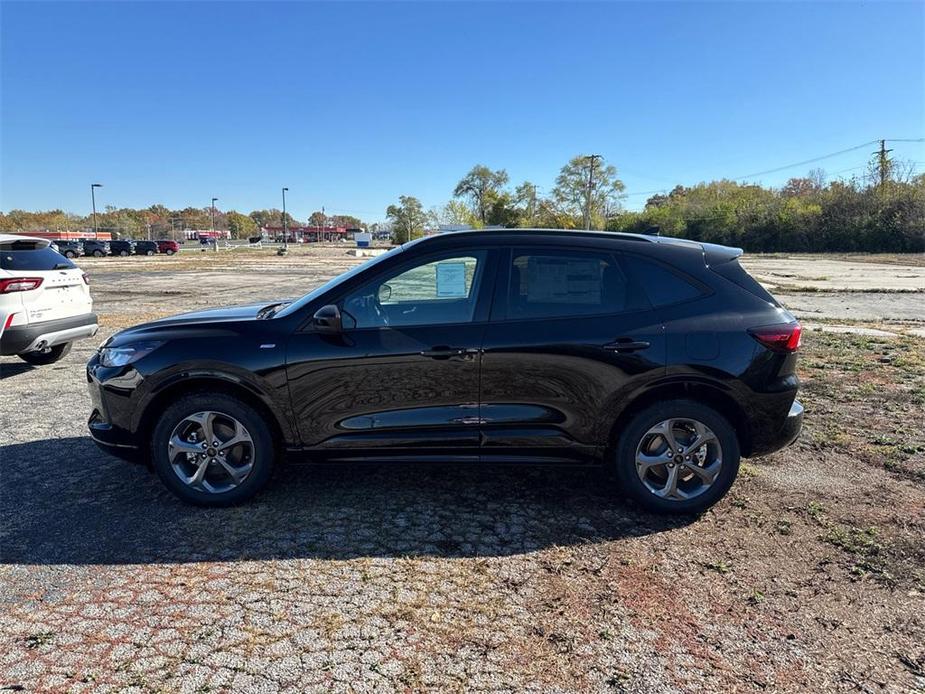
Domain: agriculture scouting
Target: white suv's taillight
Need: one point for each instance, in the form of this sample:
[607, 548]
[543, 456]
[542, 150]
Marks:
[86, 278]
[19, 284]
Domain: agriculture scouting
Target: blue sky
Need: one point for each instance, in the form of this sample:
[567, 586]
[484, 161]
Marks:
[351, 105]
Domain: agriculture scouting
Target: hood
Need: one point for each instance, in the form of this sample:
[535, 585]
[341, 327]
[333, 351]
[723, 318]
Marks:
[210, 322]
[212, 315]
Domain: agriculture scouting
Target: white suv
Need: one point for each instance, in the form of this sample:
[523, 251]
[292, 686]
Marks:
[45, 301]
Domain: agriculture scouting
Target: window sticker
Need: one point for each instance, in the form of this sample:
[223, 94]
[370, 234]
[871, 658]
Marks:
[451, 280]
[555, 280]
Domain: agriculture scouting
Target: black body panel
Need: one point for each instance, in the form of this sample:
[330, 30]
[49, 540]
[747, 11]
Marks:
[497, 388]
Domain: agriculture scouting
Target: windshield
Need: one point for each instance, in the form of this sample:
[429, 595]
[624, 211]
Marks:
[331, 283]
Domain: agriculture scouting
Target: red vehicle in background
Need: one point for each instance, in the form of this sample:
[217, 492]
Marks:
[168, 247]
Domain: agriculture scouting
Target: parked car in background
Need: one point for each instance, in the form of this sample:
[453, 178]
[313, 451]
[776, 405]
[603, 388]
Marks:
[658, 358]
[168, 247]
[145, 247]
[121, 247]
[69, 248]
[45, 302]
[95, 247]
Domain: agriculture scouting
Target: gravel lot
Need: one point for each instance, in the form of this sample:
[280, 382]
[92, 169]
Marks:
[809, 576]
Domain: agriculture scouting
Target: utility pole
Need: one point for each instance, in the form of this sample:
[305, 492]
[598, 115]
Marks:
[883, 162]
[93, 187]
[591, 159]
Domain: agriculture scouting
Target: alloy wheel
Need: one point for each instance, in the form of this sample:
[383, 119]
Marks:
[211, 452]
[679, 459]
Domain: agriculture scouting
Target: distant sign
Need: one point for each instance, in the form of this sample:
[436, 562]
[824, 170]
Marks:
[363, 239]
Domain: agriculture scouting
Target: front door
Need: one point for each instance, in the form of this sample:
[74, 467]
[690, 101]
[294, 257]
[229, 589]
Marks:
[404, 375]
[572, 338]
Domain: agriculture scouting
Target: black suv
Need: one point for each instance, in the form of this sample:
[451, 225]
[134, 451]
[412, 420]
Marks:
[121, 247]
[146, 248]
[69, 248]
[659, 358]
[95, 247]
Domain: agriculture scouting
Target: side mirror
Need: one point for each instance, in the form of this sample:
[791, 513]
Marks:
[327, 319]
[385, 293]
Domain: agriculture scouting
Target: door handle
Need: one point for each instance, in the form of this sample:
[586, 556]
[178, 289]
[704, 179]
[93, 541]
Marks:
[442, 352]
[626, 344]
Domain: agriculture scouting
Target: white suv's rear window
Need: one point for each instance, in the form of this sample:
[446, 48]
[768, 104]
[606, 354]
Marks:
[28, 255]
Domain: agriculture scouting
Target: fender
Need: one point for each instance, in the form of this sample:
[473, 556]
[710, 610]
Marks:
[233, 375]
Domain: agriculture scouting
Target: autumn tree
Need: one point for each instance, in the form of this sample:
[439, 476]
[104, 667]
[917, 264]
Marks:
[588, 184]
[483, 188]
[407, 217]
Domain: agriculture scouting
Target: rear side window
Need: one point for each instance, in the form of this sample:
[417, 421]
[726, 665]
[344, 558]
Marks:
[736, 274]
[557, 283]
[26, 255]
[662, 285]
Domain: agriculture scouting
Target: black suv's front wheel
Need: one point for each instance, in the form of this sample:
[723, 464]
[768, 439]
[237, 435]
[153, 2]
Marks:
[212, 449]
[679, 456]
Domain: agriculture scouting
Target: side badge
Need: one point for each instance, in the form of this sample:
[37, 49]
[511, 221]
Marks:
[267, 346]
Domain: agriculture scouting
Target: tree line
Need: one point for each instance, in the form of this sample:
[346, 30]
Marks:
[881, 211]
[158, 221]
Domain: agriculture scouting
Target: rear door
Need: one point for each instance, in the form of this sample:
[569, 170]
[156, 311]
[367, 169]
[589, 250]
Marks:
[571, 338]
[63, 292]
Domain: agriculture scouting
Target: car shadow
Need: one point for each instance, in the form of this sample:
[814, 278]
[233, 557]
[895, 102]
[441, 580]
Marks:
[66, 502]
[14, 369]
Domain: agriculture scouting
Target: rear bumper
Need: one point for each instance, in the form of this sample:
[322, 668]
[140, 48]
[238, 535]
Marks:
[787, 433]
[18, 339]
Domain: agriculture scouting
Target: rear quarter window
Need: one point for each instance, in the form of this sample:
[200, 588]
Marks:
[26, 255]
[662, 285]
[736, 274]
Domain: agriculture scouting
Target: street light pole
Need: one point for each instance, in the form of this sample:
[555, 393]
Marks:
[93, 187]
[285, 225]
[212, 238]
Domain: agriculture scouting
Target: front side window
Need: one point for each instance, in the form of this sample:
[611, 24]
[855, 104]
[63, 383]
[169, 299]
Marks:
[438, 291]
[553, 284]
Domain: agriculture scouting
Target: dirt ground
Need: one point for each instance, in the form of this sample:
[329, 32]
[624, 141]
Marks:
[808, 576]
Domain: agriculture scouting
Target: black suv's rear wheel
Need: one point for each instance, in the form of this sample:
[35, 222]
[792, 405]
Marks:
[212, 449]
[678, 456]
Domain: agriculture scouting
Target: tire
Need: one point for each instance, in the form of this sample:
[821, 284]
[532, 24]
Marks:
[261, 453]
[97, 254]
[149, 252]
[48, 356]
[123, 253]
[170, 252]
[637, 435]
[70, 254]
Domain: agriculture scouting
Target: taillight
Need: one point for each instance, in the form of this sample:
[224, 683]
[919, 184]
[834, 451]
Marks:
[19, 284]
[86, 278]
[779, 338]
[9, 321]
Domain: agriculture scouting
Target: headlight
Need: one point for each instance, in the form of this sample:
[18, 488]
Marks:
[120, 356]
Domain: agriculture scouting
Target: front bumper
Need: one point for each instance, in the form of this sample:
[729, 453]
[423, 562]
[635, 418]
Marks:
[18, 339]
[110, 415]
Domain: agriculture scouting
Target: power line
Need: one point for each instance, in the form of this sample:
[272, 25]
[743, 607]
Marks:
[796, 164]
[807, 161]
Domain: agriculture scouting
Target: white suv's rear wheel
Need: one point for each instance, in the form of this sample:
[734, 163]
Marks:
[48, 355]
